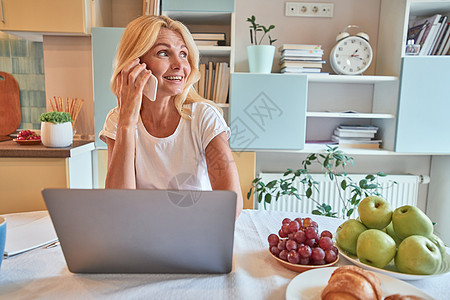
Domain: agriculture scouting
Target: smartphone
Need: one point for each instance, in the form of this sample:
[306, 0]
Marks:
[150, 88]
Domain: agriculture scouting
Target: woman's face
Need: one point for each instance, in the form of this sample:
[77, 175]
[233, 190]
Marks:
[168, 61]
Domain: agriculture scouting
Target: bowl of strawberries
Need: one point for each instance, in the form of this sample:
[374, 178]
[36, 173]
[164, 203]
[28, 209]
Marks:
[27, 137]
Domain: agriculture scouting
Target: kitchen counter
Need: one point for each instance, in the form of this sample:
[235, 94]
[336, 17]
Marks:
[12, 149]
[27, 169]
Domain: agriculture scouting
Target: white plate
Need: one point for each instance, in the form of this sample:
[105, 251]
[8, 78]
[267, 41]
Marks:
[392, 271]
[310, 284]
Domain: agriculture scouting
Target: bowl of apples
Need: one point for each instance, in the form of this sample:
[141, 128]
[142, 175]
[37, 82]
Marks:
[397, 242]
[299, 246]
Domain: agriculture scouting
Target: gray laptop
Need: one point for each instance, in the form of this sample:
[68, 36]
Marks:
[144, 231]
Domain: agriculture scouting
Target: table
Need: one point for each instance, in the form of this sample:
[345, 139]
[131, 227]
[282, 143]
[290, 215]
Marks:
[43, 274]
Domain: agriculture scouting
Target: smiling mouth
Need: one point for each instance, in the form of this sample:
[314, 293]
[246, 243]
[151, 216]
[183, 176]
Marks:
[174, 78]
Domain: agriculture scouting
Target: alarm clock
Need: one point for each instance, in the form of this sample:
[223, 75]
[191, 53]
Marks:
[352, 54]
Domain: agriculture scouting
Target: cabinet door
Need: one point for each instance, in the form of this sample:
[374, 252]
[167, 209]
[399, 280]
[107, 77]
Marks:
[424, 105]
[104, 46]
[198, 5]
[268, 111]
[68, 16]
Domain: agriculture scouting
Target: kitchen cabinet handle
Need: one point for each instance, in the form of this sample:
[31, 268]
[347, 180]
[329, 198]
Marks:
[3, 15]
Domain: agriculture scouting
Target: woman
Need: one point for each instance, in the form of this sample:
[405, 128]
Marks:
[178, 141]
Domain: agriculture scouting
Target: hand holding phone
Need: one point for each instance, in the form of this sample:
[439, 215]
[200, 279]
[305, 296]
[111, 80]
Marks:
[150, 87]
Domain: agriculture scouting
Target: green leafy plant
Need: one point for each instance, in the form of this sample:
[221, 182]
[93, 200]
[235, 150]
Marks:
[55, 117]
[333, 163]
[255, 28]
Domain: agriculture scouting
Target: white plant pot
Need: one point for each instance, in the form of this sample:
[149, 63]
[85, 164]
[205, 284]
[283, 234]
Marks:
[260, 58]
[56, 135]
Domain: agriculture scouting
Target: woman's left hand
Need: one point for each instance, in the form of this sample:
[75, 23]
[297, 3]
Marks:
[130, 85]
[222, 169]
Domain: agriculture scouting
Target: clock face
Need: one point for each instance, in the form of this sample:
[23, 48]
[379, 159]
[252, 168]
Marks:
[351, 56]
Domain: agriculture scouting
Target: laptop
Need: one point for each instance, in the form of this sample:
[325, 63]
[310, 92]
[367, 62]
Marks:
[144, 231]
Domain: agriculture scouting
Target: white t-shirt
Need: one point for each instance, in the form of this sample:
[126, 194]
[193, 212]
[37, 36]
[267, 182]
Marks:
[177, 161]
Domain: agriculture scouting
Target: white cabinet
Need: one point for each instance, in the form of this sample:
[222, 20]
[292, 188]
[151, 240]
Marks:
[393, 29]
[424, 104]
[423, 94]
[342, 99]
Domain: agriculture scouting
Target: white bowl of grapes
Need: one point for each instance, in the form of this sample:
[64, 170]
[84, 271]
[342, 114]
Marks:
[300, 246]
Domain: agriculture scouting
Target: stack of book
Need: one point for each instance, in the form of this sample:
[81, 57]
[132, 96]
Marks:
[209, 38]
[432, 34]
[297, 58]
[356, 136]
[214, 81]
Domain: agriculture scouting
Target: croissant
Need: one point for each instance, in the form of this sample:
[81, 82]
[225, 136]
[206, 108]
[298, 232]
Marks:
[403, 297]
[352, 283]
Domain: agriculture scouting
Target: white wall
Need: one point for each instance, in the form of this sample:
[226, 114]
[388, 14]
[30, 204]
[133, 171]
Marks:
[68, 73]
[438, 206]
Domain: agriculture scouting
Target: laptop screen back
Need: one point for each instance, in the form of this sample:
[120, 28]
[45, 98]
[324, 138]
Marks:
[144, 231]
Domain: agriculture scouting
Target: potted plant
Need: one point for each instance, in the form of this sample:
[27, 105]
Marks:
[260, 57]
[333, 161]
[56, 129]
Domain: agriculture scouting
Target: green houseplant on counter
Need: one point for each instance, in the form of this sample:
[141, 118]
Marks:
[260, 57]
[333, 162]
[56, 129]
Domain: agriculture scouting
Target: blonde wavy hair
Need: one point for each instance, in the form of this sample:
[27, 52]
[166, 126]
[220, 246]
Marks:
[139, 37]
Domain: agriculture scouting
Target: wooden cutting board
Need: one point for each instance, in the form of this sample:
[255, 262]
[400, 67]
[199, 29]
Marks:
[9, 104]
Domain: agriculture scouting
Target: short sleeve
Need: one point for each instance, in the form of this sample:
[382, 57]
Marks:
[110, 127]
[211, 122]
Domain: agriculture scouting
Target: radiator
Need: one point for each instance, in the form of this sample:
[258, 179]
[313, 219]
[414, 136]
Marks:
[405, 192]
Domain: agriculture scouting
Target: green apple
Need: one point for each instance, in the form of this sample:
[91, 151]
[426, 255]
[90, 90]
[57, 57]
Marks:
[390, 230]
[347, 234]
[418, 255]
[439, 243]
[410, 220]
[375, 248]
[375, 212]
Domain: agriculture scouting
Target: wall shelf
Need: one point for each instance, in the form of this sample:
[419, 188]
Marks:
[200, 17]
[314, 114]
[361, 79]
[215, 50]
[223, 105]
[321, 148]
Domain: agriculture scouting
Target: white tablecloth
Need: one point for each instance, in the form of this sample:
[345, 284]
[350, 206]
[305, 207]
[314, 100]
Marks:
[43, 274]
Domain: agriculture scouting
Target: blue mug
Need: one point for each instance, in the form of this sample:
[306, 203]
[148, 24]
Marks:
[2, 238]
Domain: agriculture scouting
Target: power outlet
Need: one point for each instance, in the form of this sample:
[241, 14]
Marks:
[314, 10]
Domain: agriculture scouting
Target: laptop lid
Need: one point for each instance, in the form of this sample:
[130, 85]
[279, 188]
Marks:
[144, 231]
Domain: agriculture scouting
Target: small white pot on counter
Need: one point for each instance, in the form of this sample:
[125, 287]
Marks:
[56, 135]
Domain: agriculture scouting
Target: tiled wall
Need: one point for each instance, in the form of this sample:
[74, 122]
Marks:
[25, 61]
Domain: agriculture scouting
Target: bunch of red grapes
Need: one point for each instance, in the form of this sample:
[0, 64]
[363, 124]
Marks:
[299, 242]
[27, 135]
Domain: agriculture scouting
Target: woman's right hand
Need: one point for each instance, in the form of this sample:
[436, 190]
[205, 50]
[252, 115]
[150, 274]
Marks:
[130, 84]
